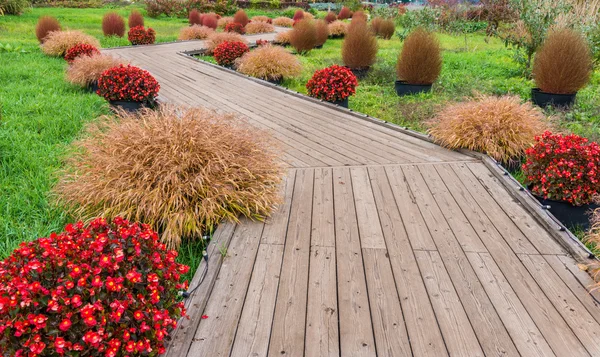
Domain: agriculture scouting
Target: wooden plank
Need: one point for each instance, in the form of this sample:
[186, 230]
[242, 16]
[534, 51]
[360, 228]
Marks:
[525, 334]
[490, 331]
[287, 336]
[582, 276]
[369, 226]
[323, 228]
[254, 328]
[456, 328]
[421, 324]
[356, 331]
[538, 236]
[457, 221]
[214, 336]
[276, 225]
[322, 334]
[186, 327]
[583, 324]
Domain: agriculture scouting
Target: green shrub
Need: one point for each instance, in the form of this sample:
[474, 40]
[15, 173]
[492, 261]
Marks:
[13, 7]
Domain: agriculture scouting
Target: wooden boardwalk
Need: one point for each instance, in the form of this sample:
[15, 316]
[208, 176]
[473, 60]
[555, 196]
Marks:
[386, 244]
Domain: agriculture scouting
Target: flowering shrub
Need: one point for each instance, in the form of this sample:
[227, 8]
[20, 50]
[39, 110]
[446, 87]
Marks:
[332, 84]
[235, 27]
[261, 42]
[139, 36]
[82, 49]
[227, 52]
[563, 168]
[103, 289]
[128, 83]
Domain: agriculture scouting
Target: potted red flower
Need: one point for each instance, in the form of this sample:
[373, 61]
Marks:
[138, 35]
[563, 171]
[106, 288]
[81, 49]
[128, 87]
[235, 27]
[333, 84]
[227, 52]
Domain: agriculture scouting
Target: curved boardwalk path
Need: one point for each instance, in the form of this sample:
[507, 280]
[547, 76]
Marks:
[386, 244]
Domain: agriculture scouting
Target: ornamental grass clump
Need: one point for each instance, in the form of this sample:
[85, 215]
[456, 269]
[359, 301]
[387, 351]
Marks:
[283, 38]
[80, 50]
[303, 36]
[259, 27]
[337, 29]
[217, 38]
[107, 286]
[57, 43]
[195, 32]
[298, 15]
[375, 24]
[182, 170]
[86, 70]
[261, 18]
[195, 17]
[387, 28]
[345, 13]
[322, 32]
[283, 22]
[128, 83]
[563, 65]
[360, 16]
[241, 18]
[359, 49]
[271, 63]
[420, 61]
[330, 17]
[332, 84]
[135, 19]
[563, 168]
[223, 21]
[227, 52]
[210, 20]
[140, 36]
[113, 24]
[501, 127]
[45, 25]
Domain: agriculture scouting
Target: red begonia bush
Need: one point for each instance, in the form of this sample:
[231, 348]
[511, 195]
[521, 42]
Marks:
[128, 83]
[235, 27]
[81, 49]
[138, 35]
[104, 289]
[563, 168]
[227, 52]
[332, 84]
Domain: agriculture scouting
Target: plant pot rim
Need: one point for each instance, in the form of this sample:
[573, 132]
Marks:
[536, 89]
[399, 81]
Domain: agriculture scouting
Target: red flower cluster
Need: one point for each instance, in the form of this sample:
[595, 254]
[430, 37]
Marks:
[332, 84]
[261, 42]
[81, 49]
[128, 83]
[105, 289]
[139, 36]
[563, 168]
[227, 52]
[235, 27]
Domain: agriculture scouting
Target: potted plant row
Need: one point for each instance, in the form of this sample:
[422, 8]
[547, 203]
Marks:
[333, 84]
[128, 87]
[419, 64]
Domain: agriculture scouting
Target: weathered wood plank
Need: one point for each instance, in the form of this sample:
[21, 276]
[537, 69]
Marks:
[369, 226]
[277, 224]
[323, 228]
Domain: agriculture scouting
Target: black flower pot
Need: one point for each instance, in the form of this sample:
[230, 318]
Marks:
[341, 103]
[544, 99]
[128, 106]
[276, 81]
[570, 216]
[403, 88]
[360, 73]
[93, 87]
[319, 47]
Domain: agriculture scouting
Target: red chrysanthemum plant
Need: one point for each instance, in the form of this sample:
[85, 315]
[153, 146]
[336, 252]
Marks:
[128, 83]
[332, 84]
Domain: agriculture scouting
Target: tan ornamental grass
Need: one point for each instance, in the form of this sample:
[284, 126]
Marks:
[215, 39]
[269, 63]
[85, 70]
[420, 61]
[337, 28]
[283, 22]
[181, 170]
[261, 18]
[501, 127]
[56, 43]
[359, 49]
[322, 32]
[387, 28]
[223, 21]
[303, 36]
[255, 27]
[195, 32]
[283, 38]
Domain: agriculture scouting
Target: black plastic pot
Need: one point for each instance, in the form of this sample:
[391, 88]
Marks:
[275, 81]
[360, 73]
[128, 106]
[93, 87]
[544, 99]
[318, 47]
[570, 216]
[403, 88]
[341, 103]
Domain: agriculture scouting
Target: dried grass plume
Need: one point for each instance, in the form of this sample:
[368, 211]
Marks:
[255, 27]
[58, 42]
[420, 61]
[269, 63]
[85, 70]
[337, 28]
[195, 32]
[283, 22]
[359, 49]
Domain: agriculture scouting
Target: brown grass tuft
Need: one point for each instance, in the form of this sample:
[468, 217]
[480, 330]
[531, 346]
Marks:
[303, 36]
[322, 32]
[360, 16]
[223, 21]
[195, 32]
[283, 38]
[113, 24]
[563, 65]
[181, 170]
[359, 49]
[330, 17]
[375, 25]
[259, 27]
[195, 17]
[215, 39]
[345, 13]
[269, 63]
[501, 127]
[45, 25]
[58, 42]
[387, 28]
[337, 28]
[283, 22]
[135, 19]
[241, 17]
[262, 19]
[308, 15]
[85, 70]
[420, 61]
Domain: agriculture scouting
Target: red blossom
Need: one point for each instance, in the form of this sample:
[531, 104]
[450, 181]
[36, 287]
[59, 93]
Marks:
[81, 49]
[138, 35]
[332, 84]
[235, 27]
[130, 83]
[227, 52]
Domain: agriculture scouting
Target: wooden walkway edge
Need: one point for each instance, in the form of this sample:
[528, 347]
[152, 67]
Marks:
[385, 245]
